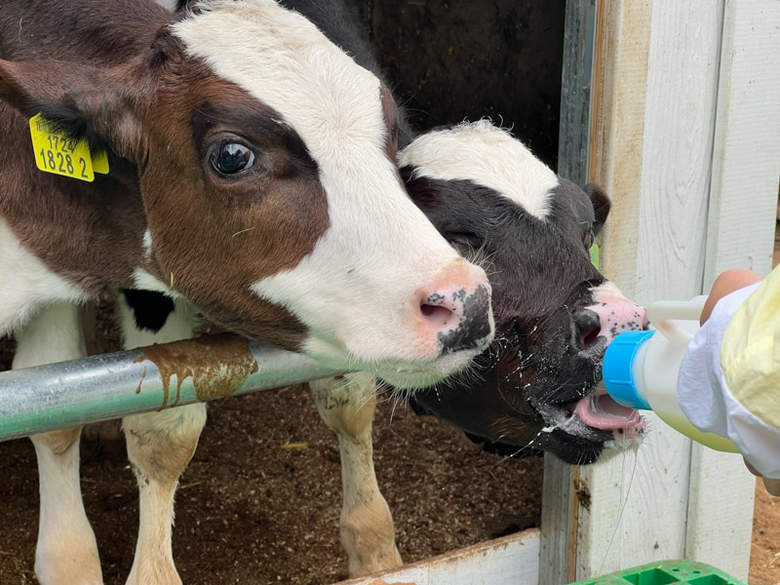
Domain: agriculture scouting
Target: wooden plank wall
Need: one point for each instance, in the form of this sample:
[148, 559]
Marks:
[683, 92]
[740, 234]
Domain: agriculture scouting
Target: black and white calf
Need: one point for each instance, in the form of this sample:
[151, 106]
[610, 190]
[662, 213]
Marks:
[252, 175]
[487, 194]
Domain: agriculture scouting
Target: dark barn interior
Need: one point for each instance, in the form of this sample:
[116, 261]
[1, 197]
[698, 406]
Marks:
[461, 59]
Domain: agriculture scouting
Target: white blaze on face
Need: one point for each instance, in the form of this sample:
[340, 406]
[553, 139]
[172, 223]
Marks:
[488, 156]
[354, 290]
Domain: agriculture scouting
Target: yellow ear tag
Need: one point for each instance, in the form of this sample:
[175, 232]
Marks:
[58, 154]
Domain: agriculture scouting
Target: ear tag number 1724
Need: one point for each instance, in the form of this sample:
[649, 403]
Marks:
[59, 154]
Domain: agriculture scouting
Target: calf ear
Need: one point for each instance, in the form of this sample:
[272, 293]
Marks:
[601, 205]
[83, 102]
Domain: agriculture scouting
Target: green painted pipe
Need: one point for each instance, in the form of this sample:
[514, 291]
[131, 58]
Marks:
[109, 386]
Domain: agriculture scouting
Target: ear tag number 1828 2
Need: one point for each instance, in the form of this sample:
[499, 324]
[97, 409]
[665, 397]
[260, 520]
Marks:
[57, 153]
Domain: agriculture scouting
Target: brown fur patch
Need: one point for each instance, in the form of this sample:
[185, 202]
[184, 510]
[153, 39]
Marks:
[230, 232]
[212, 237]
[89, 233]
[390, 116]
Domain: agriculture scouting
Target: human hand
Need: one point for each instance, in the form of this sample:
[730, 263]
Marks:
[726, 283]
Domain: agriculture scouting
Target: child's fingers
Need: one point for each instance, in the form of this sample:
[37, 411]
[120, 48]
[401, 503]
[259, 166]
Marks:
[726, 283]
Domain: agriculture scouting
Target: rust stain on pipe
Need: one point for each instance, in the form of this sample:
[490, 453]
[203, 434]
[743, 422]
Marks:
[218, 365]
[141, 381]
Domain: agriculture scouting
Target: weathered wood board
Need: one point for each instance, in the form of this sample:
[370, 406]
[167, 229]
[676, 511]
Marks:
[511, 560]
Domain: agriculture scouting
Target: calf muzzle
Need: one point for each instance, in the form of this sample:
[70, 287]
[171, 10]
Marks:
[474, 328]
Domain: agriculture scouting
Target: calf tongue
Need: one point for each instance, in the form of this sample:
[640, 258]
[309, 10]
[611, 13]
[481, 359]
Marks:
[602, 412]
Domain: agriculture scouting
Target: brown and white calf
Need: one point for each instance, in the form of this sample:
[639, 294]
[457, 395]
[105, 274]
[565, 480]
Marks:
[252, 179]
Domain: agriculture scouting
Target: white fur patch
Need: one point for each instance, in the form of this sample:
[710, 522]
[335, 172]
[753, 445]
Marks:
[54, 334]
[148, 244]
[180, 324]
[607, 290]
[147, 281]
[356, 290]
[281, 58]
[489, 156]
[27, 283]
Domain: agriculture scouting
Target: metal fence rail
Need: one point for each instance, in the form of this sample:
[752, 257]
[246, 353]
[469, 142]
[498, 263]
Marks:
[108, 386]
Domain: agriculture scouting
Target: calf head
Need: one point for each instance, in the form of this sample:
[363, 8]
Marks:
[555, 313]
[264, 158]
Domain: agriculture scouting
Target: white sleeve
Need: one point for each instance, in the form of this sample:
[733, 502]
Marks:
[707, 401]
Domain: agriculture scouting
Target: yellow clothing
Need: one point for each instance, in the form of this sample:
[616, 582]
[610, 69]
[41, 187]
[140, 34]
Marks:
[729, 380]
[750, 352]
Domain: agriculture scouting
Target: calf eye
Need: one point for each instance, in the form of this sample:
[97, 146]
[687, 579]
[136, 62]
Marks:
[231, 158]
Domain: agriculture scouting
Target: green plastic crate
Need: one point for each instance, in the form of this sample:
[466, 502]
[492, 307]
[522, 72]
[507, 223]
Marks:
[666, 573]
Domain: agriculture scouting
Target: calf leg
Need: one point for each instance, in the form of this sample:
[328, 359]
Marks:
[347, 404]
[159, 445]
[66, 552]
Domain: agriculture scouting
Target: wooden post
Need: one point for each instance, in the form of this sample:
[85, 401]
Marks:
[740, 234]
[685, 137]
[579, 36]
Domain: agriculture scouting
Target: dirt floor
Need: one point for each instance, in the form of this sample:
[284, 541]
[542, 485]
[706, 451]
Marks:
[252, 511]
[765, 549]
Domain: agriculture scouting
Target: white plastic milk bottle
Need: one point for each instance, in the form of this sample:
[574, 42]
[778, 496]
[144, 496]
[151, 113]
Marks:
[641, 367]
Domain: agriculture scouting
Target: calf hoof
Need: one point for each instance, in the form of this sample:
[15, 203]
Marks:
[67, 567]
[380, 558]
[368, 537]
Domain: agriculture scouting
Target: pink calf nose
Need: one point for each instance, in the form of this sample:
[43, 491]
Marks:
[454, 313]
[617, 315]
[438, 315]
[458, 317]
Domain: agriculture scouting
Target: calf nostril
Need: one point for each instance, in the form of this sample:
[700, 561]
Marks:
[436, 314]
[588, 327]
